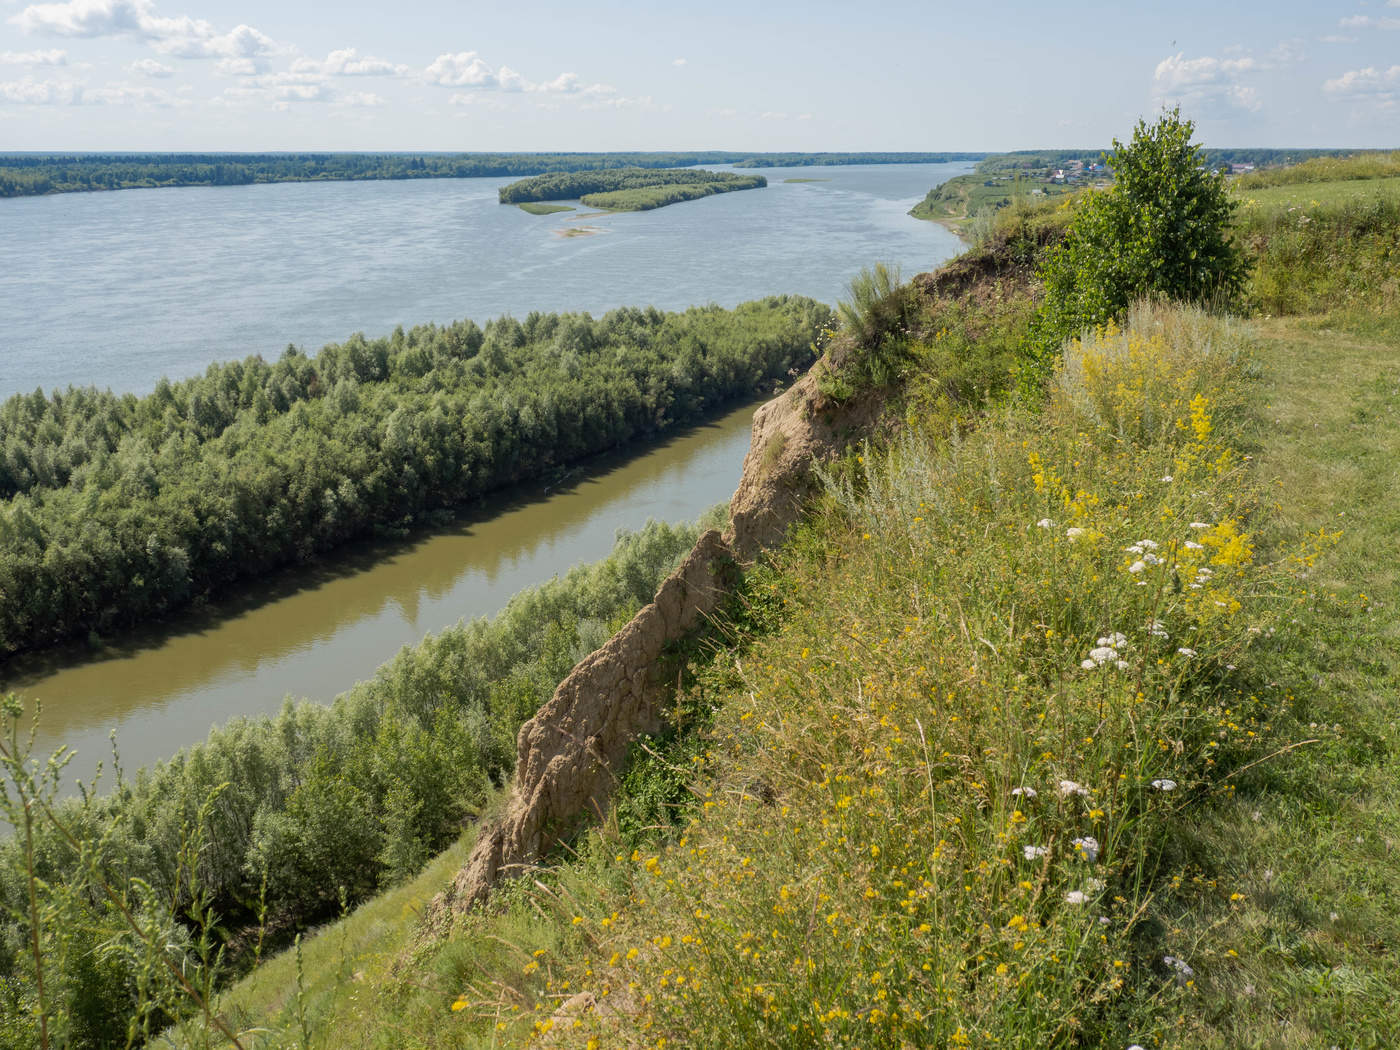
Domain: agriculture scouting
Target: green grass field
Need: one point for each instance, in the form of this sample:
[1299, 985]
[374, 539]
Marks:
[959, 202]
[1316, 194]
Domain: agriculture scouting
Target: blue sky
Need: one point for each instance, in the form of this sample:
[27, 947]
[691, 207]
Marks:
[774, 75]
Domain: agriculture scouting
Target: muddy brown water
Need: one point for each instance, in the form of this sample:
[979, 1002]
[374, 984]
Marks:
[315, 632]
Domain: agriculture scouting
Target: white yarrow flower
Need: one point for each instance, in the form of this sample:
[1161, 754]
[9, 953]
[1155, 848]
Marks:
[1069, 787]
[1024, 792]
[1073, 534]
[1199, 525]
[1192, 545]
[1088, 665]
[1186, 651]
[1164, 784]
[1045, 523]
[1089, 846]
[1103, 654]
[1117, 638]
[1179, 965]
[1137, 566]
[1076, 897]
[1033, 852]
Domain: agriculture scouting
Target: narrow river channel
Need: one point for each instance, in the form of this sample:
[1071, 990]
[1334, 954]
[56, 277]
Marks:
[318, 631]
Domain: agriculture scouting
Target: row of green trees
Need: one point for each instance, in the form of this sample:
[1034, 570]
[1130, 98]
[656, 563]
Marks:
[573, 185]
[296, 816]
[1216, 157]
[120, 508]
[32, 174]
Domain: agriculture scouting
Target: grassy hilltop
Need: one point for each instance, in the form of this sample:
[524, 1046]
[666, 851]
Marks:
[1065, 719]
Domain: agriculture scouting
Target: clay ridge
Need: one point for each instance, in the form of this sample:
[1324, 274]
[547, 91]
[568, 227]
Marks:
[570, 752]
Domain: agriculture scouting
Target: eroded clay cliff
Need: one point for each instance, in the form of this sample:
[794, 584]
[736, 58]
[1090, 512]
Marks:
[571, 752]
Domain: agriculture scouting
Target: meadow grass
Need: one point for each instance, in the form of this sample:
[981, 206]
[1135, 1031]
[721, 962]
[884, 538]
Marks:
[1372, 165]
[1323, 247]
[1305, 957]
[1305, 195]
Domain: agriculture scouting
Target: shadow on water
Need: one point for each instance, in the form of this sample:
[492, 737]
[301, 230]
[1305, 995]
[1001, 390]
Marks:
[313, 631]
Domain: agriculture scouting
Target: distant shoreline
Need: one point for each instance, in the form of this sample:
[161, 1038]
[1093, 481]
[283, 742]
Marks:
[24, 174]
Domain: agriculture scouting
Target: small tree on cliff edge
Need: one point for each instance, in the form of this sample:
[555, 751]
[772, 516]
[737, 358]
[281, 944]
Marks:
[1162, 229]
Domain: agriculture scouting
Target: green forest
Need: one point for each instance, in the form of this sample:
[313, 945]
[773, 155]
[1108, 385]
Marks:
[298, 816]
[628, 189]
[119, 508]
[34, 174]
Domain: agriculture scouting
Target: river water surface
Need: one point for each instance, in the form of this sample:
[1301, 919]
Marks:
[117, 289]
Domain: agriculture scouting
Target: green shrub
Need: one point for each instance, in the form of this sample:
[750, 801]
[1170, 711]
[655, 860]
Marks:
[1162, 229]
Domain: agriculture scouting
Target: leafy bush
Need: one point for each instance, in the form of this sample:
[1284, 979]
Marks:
[1163, 229]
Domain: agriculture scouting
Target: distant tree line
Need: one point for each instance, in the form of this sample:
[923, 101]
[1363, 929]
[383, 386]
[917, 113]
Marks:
[32, 174]
[590, 185]
[1031, 160]
[118, 508]
[817, 160]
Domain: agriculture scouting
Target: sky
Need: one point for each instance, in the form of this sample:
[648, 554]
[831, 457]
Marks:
[772, 75]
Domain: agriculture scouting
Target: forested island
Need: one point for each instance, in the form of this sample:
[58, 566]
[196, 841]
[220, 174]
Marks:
[35, 174]
[120, 507]
[628, 189]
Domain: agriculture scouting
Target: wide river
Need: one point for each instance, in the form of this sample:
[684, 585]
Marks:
[118, 289]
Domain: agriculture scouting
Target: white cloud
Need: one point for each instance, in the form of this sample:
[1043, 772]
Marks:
[468, 69]
[1370, 22]
[31, 92]
[677, 62]
[465, 69]
[183, 37]
[241, 67]
[563, 84]
[348, 62]
[1369, 83]
[1208, 86]
[1337, 38]
[149, 67]
[85, 17]
[773, 115]
[52, 57]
